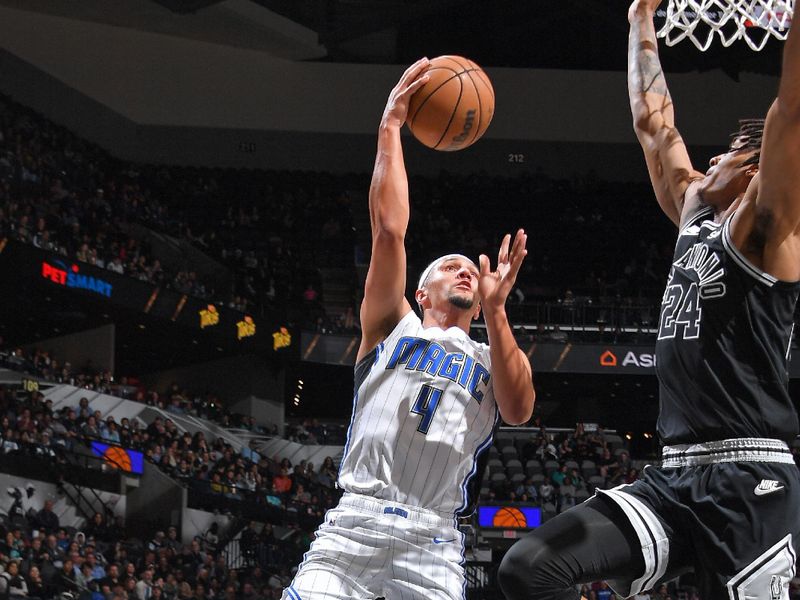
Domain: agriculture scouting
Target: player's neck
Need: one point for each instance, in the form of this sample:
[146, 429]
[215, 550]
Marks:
[445, 319]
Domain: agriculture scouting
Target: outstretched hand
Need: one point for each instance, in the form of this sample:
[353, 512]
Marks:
[495, 286]
[414, 78]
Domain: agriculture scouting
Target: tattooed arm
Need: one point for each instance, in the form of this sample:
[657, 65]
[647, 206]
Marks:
[668, 162]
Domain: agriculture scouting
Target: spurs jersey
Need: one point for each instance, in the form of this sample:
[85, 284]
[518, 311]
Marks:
[723, 343]
[424, 411]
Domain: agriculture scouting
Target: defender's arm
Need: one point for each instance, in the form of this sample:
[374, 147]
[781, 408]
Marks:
[776, 218]
[668, 162]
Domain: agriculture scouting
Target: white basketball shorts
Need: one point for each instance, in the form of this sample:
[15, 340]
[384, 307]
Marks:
[368, 548]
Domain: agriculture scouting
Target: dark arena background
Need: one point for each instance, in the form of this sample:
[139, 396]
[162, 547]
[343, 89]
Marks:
[184, 237]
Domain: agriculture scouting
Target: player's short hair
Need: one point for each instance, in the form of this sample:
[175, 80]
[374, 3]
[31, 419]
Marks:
[751, 132]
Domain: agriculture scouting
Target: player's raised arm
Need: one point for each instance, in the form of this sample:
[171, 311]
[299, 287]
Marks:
[511, 370]
[775, 222]
[384, 292]
[653, 114]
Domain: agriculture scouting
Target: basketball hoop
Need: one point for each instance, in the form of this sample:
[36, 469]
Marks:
[754, 21]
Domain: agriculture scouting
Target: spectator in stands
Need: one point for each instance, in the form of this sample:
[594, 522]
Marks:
[546, 450]
[606, 463]
[527, 488]
[64, 582]
[46, 518]
[282, 484]
[546, 492]
[36, 587]
[566, 492]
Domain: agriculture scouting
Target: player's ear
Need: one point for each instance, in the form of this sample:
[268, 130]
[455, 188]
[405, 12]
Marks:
[477, 312]
[421, 296]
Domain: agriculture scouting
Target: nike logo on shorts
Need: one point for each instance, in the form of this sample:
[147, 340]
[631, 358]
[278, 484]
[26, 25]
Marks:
[441, 541]
[767, 486]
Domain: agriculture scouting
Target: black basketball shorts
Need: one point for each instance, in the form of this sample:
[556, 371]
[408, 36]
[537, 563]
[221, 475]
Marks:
[729, 510]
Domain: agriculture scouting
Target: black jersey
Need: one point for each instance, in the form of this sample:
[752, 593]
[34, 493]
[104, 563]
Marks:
[723, 343]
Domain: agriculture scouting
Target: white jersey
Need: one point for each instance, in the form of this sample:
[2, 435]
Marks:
[424, 410]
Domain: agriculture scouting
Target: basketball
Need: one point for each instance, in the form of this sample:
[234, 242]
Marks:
[454, 108]
[513, 518]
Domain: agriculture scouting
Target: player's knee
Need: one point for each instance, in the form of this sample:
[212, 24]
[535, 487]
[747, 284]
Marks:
[526, 571]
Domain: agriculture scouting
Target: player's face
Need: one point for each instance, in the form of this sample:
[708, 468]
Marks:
[727, 177]
[454, 281]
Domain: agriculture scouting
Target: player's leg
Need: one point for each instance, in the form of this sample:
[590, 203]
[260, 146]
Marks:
[590, 542]
[748, 530]
[427, 562]
[342, 561]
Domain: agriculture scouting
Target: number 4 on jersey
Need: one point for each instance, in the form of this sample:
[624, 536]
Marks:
[680, 307]
[425, 405]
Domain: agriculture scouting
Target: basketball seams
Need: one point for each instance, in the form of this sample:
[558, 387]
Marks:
[453, 113]
[433, 91]
[480, 110]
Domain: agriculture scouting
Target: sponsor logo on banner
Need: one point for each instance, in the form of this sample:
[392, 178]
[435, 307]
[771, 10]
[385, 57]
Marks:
[643, 360]
[281, 339]
[70, 276]
[209, 316]
[245, 328]
[608, 359]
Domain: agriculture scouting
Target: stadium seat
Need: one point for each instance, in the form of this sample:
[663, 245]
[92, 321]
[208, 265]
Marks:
[532, 467]
[509, 452]
[513, 467]
[495, 466]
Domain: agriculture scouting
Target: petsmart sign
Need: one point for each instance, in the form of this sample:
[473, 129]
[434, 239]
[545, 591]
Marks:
[70, 275]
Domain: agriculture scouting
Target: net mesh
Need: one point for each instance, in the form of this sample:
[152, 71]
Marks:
[753, 21]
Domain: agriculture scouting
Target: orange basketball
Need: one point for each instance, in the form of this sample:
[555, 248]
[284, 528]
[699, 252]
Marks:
[454, 108]
[117, 458]
[509, 517]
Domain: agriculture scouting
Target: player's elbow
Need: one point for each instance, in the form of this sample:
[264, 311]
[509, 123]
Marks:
[519, 411]
[388, 232]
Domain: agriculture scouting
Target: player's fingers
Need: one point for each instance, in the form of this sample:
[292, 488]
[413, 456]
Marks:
[483, 262]
[502, 255]
[519, 243]
[416, 84]
[414, 70]
[516, 264]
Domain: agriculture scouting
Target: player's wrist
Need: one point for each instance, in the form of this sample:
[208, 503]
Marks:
[640, 10]
[390, 123]
[494, 311]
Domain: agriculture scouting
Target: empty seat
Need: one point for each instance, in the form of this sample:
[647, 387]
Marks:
[495, 466]
[513, 467]
[517, 478]
[498, 477]
[509, 452]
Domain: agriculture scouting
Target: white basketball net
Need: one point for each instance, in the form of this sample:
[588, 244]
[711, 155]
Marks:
[754, 21]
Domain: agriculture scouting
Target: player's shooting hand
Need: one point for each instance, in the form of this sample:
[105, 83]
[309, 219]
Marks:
[495, 286]
[414, 78]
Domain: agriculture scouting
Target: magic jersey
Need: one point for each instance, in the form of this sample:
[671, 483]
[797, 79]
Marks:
[424, 410]
[723, 344]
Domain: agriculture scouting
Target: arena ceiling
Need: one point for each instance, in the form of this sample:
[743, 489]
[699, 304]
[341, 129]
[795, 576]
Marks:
[554, 34]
